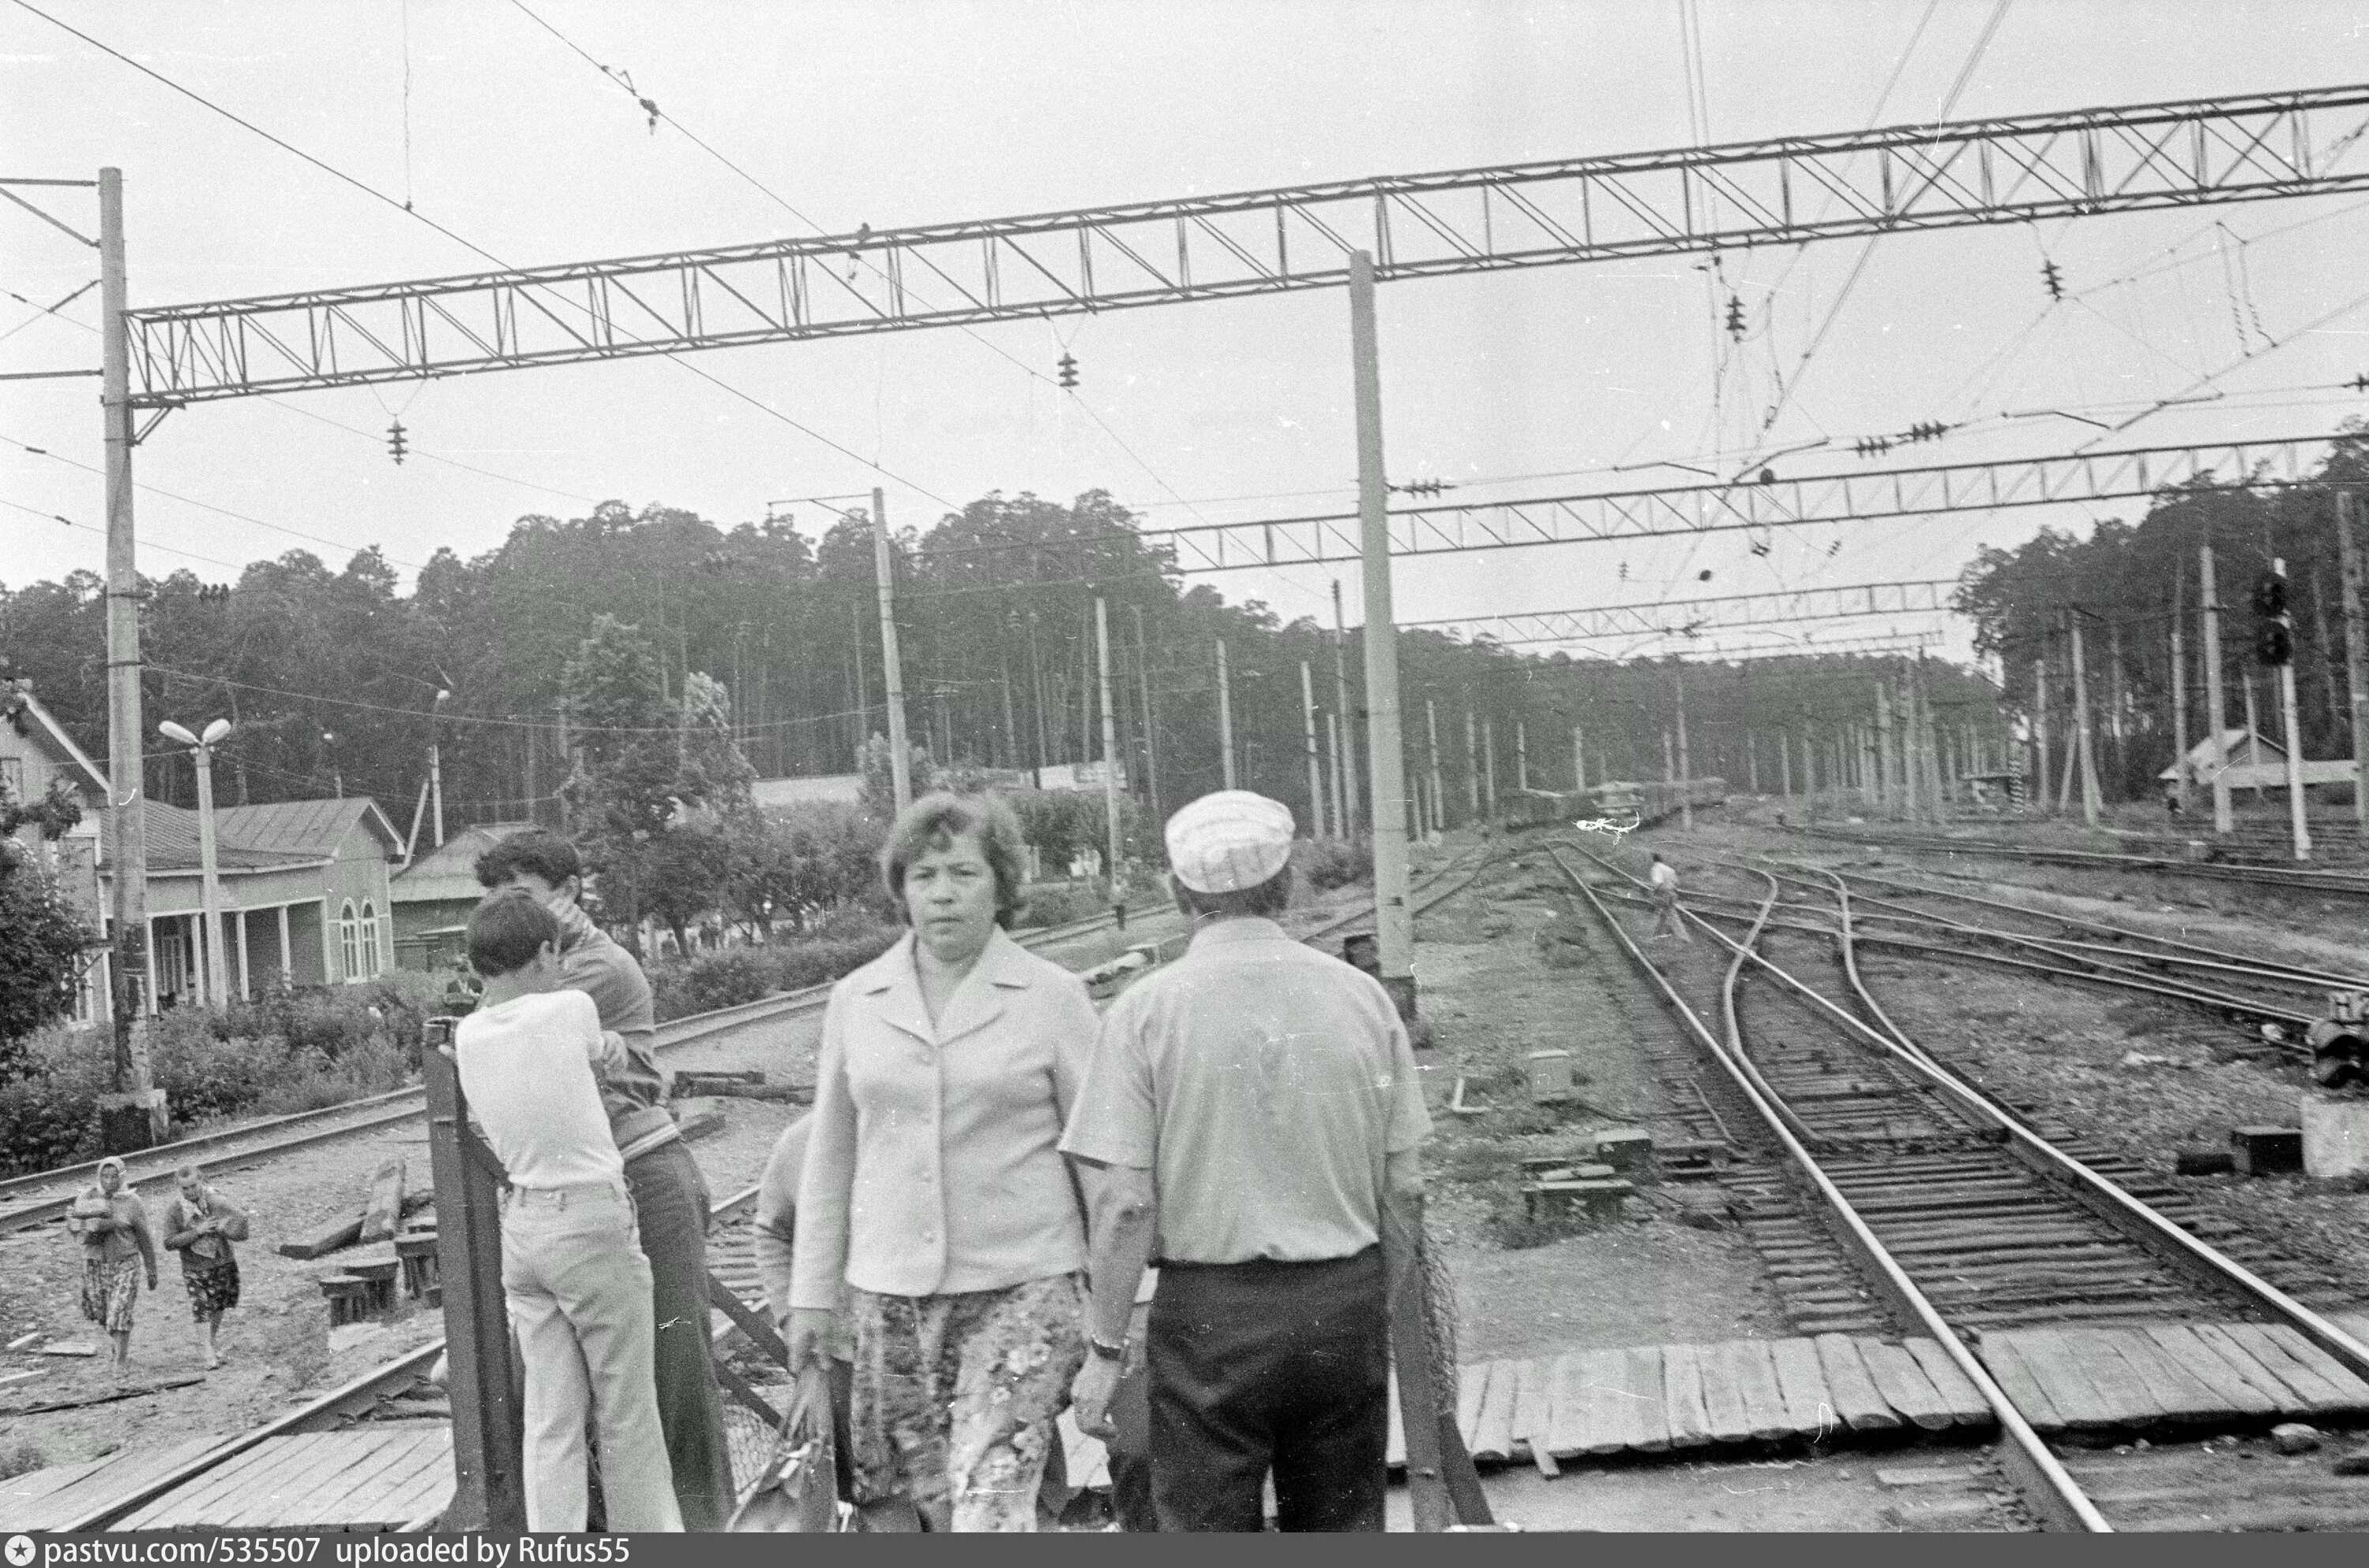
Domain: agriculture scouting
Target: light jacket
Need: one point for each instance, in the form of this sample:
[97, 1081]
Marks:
[934, 1166]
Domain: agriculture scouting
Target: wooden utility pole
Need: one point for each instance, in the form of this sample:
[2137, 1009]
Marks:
[2296, 823]
[1393, 914]
[1685, 768]
[2081, 724]
[2216, 699]
[1308, 740]
[1115, 870]
[1431, 742]
[1351, 798]
[2356, 653]
[900, 762]
[2178, 686]
[1150, 717]
[1225, 718]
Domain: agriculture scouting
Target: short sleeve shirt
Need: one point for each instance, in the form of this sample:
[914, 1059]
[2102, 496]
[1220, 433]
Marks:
[1261, 1082]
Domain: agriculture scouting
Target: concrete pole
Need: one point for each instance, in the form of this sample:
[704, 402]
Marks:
[1340, 806]
[1785, 763]
[1431, 743]
[1225, 718]
[1115, 868]
[900, 764]
[1578, 760]
[1686, 765]
[2297, 824]
[1521, 755]
[1752, 757]
[1669, 760]
[1393, 914]
[2253, 734]
[1351, 798]
[1308, 740]
[127, 792]
[2356, 654]
[210, 882]
[2040, 730]
[1151, 728]
[1883, 746]
[2081, 726]
[1471, 766]
[2179, 685]
[1489, 767]
[2217, 719]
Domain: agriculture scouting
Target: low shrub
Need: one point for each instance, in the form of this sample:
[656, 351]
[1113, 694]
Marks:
[736, 975]
[1327, 864]
[20, 1458]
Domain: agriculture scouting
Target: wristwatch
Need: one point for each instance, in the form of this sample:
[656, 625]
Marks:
[1107, 1352]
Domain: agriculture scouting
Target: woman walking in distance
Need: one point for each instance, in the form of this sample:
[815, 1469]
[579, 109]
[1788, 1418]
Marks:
[200, 1224]
[117, 1245]
[934, 1194]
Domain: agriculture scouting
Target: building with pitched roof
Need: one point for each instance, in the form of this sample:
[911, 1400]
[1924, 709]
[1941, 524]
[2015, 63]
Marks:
[434, 895]
[37, 756]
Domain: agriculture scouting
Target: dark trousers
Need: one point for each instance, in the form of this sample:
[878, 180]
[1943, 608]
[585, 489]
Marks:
[670, 1196]
[1129, 1447]
[1280, 1366]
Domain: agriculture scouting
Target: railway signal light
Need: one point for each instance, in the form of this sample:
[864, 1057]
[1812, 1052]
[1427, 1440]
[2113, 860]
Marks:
[2054, 279]
[1068, 370]
[394, 444]
[2273, 637]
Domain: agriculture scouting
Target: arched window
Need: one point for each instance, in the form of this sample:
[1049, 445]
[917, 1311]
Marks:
[368, 938]
[349, 946]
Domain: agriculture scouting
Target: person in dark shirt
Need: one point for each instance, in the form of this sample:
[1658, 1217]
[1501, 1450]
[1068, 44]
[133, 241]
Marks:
[670, 1196]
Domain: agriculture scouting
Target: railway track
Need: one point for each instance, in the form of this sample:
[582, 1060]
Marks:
[2292, 879]
[42, 1197]
[731, 1253]
[1883, 1189]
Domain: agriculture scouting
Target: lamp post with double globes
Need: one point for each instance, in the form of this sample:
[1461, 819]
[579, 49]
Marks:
[209, 895]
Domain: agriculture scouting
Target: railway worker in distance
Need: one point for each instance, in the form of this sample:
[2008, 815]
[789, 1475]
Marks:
[1244, 1113]
[573, 1273]
[935, 1202]
[670, 1194]
[200, 1224]
[115, 1246]
[1663, 882]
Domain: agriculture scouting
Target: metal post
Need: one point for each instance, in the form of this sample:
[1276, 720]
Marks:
[1150, 722]
[1225, 718]
[2215, 700]
[900, 762]
[1431, 735]
[1386, 772]
[2297, 825]
[1352, 800]
[1685, 765]
[2180, 684]
[1116, 872]
[489, 1426]
[2081, 726]
[2356, 654]
[127, 790]
[1308, 737]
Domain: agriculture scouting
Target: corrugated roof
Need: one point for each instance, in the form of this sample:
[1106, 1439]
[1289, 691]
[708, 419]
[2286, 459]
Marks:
[311, 827]
[451, 872]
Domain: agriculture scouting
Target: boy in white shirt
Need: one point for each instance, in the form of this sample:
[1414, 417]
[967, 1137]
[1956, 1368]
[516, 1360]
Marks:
[1663, 881]
[573, 1271]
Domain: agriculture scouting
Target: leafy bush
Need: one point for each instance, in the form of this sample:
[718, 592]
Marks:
[1327, 864]
[743, 973]
[41, 944]
[49, 1109]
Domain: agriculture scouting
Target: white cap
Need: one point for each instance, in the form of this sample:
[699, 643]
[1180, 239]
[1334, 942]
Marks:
[1229, 841]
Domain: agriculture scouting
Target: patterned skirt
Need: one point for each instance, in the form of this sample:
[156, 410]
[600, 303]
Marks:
[109, 1291]
[212, 1287]
[956, 1396]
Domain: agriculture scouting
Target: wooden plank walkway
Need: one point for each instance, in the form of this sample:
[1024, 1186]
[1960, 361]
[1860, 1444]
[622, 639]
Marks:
[45, 1499]
[371, 1476]
[1678, 1398]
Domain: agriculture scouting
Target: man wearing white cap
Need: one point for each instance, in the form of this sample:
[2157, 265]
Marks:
[1244, 1110]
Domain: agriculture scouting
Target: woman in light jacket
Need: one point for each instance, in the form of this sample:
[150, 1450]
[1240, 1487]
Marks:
[116, 1245]
[200, 1224]
[934, 1197]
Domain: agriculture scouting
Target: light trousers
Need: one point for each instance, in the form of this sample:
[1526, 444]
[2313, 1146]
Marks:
[579, 1291]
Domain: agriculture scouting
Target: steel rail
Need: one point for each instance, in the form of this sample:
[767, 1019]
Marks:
[2056, 1495]
[2109, 1199]
[2241, 960]
[2263, 876]
[330, 1123]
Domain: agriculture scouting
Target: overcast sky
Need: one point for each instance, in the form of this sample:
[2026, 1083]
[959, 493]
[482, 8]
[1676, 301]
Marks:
[1531, 382]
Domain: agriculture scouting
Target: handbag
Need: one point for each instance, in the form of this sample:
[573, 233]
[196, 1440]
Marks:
[799, 1490]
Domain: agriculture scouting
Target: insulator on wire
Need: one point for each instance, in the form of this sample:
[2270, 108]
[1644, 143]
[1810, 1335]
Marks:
[1068, 366]
[1735, 317]
[2052, 278]
[395, 442]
